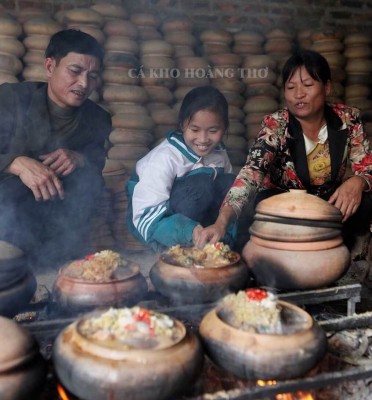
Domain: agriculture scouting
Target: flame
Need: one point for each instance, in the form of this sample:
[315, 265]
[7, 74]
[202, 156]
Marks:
[62, 393]
[287, 396]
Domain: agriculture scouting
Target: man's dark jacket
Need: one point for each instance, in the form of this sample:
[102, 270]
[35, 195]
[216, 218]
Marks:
[25, 127]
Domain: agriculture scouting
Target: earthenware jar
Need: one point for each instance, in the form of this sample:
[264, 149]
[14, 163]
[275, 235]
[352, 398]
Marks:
[186, 285]
[95, 371]
[250, 355]
[22, 368]
[127, 287]
[296, 242]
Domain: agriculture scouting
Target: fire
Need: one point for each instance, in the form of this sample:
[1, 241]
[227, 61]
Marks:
[287, 396]
[62, 393]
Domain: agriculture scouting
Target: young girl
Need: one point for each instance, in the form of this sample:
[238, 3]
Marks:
[179, 186]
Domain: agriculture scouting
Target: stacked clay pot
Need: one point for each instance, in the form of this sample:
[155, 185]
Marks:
[84, 19]
[17, 282]
[262, 95]
[38, 31]
[226, 78]
[178, 31]
[296, 242]
[248, 43]
[216, 41]
[148, 25]
[22, 367]
[330, 45]
[279, 45]
[10, 49]
[358, 54]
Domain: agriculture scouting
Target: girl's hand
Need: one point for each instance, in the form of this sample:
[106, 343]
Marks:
[211, 234]
[196, 233]
[348, 196]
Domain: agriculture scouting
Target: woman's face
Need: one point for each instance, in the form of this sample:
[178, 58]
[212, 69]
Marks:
[304, 95]
[203, 132]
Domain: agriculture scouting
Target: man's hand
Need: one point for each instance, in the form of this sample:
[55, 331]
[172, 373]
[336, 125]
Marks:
[63, 161]
[348, 196]
[41, 179]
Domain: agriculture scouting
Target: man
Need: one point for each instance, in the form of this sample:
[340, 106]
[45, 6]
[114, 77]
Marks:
[52, 151]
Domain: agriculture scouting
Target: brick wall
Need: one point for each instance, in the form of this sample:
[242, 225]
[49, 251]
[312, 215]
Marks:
[234, 15]
[263, 15]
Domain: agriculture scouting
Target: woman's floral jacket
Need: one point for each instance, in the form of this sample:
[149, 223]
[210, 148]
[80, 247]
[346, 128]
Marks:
[277, 159]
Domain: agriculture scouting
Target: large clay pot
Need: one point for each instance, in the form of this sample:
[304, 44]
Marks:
[14, 298]
[186, 285]
[22, 368]
[265, 356]
[126, 288]
[12, 265]
[96, 372]
[290, 269]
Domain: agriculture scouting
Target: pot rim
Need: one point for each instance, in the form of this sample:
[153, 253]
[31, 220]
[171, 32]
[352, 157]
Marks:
[135, 270]
[256, 336]
[94, 348]
[164, 258]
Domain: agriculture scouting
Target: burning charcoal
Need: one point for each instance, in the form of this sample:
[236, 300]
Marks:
[349, 344]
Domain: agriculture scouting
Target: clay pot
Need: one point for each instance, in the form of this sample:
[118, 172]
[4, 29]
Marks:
[291, 269]
[15, 297]
[187, 285]
[22, 368]
[265, 356]
[94, 372]
[299, 204]
[12, 265]
[128, 287]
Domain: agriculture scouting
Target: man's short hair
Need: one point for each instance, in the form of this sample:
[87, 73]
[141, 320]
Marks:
[73, 40]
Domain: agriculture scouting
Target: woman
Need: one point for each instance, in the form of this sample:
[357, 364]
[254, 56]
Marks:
[305, 146]
[179, 186]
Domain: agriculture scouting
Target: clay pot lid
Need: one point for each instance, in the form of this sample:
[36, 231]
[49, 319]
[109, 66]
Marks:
[299, 204]
[18, 345]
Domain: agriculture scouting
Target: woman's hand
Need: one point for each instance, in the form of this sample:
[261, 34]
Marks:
[63, 161]
[348, 196]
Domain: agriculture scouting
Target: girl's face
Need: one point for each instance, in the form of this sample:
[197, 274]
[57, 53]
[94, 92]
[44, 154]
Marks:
[304, 95]
[203, 132]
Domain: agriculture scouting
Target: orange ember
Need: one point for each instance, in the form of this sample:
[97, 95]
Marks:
[62, 393]
[287, 396]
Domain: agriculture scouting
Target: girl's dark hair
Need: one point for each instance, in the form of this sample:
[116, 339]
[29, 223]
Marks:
[203, 98]
[316, 65]
[72, 40]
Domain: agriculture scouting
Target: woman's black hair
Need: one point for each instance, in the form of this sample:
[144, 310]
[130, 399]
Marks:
[203, 98]
[73, 40]
[316, 65]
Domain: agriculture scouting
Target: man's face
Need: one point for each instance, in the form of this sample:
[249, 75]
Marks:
[72, 80]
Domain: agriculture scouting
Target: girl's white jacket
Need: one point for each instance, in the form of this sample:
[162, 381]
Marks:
[149, 189]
